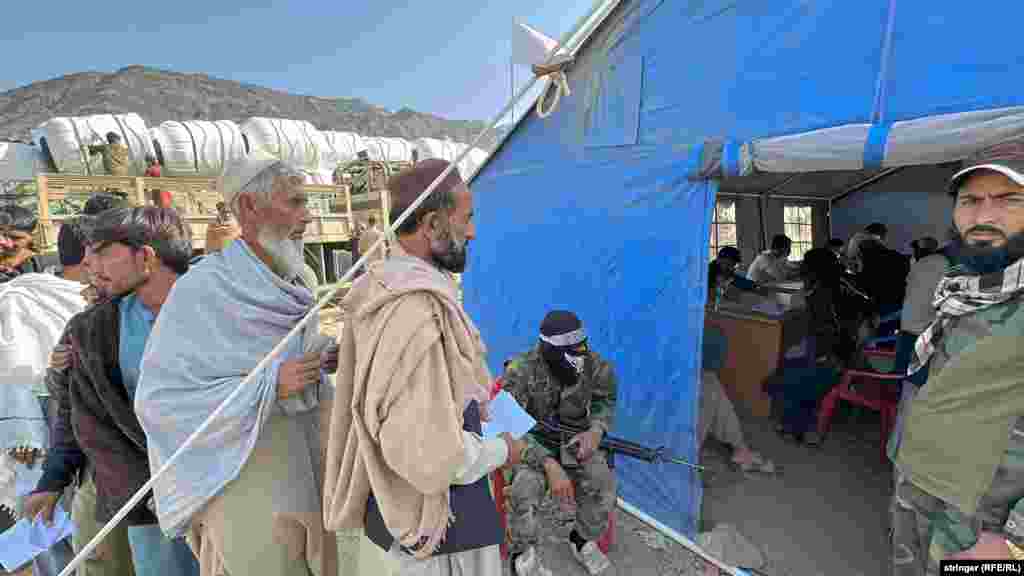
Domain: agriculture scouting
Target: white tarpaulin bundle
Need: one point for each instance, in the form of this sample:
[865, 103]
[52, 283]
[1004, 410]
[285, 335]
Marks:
[295, 141]
[20, 161]
[388, 149]
[342, 146]
[64, 137]
[427, 148]
[198, 147]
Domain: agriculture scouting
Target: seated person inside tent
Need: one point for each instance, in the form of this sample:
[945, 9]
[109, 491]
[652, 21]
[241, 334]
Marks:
[718, 417]
[561, 378]
[724, 283]
[722, 275]
[773, 266]
[837, 316]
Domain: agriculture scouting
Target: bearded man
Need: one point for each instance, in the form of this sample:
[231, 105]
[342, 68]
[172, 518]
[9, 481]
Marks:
[960, 475]
[406, 459]
[247, 492]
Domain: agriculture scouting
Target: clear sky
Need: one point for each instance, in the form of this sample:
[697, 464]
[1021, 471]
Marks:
[447, 57]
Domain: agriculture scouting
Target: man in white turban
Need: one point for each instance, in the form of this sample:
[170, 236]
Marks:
[247, 493]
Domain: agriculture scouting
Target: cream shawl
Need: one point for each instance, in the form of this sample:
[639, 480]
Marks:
[410, 361]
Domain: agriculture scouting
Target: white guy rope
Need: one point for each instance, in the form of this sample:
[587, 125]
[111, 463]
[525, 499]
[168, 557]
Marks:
[138, 496]
[680, 539]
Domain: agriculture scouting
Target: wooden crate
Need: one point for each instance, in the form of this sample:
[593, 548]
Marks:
[197, 198]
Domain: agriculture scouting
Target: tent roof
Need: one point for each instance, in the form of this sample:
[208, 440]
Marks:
[795, 87]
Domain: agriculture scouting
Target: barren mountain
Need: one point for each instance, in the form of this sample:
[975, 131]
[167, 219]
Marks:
[159, 95]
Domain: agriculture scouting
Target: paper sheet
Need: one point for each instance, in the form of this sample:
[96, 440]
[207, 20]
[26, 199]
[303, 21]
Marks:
[26, 540]
[507, 416]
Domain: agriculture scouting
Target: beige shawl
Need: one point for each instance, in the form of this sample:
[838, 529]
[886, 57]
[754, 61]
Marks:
[410, 361]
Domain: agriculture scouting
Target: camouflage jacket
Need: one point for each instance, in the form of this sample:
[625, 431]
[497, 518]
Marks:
[115, 158]
[589, 404]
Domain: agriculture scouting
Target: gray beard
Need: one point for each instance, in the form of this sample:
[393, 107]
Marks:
[285, 254]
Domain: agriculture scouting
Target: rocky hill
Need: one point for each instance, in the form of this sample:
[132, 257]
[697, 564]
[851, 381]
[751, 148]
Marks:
[159, 95]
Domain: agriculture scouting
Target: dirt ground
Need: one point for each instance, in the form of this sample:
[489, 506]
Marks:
[824, 514]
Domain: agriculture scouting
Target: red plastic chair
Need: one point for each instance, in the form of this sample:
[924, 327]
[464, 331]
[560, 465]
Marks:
[498, 480]
[873, 390]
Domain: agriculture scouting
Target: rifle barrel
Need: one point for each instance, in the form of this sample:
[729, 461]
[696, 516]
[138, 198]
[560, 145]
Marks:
[625, 447]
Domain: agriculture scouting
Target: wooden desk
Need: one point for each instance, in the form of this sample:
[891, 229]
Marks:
[757, 344]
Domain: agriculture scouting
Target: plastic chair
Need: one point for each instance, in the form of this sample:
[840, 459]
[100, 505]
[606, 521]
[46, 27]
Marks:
[498, 482]
[872, 390]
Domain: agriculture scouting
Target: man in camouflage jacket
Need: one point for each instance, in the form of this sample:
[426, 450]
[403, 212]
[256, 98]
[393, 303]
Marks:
[562, 379]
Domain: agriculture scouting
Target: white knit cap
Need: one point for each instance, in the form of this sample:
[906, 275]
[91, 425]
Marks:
[241, 171]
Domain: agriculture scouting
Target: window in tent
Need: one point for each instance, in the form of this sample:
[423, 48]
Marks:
[723, 227]
[797, 224]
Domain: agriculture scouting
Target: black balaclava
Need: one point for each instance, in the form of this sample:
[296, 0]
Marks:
[563, 345]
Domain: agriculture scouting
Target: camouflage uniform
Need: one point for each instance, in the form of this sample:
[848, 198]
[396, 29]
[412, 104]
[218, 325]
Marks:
[115, 158]
[924, 529]
[588, 404]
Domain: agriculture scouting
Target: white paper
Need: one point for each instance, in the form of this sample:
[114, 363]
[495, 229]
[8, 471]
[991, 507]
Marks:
[507, 416]
[26, 540]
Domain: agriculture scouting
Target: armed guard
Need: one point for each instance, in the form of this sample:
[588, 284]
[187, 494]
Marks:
[562, 380]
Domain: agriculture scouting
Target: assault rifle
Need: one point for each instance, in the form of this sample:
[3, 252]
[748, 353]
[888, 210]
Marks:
[554, 431]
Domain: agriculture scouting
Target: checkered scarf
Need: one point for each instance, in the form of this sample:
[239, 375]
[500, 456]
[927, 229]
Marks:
[959, 294]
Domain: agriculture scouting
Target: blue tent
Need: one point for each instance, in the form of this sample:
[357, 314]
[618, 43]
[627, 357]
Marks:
[605, 207]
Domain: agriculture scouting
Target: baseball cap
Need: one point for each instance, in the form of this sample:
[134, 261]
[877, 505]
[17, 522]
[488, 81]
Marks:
[1006, 158]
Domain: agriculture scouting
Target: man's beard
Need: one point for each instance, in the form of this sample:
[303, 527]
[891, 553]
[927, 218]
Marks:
[448, 254]
[285, 254]
[983, 257]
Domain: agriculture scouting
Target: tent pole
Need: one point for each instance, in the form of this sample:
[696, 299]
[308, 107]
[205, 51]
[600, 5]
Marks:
[764, 229]
[866, 182]
[777, 196]
[828, 218]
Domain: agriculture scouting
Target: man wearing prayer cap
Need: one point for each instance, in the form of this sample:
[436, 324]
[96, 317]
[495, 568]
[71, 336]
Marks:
[247, 493]
[561, 378]
[406, 459]
[959, 471]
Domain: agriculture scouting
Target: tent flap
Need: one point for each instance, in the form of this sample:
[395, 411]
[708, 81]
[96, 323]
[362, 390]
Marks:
[627, 252]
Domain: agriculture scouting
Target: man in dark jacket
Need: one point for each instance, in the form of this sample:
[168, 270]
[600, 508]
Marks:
[136, 253]
[65, 459]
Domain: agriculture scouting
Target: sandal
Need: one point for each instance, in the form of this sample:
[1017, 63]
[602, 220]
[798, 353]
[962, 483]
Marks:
[757, 464]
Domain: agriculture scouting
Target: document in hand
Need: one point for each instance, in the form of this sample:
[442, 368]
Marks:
[507, 416]
[26, 539]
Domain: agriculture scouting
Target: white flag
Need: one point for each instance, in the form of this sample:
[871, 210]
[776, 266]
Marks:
[530, 47]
